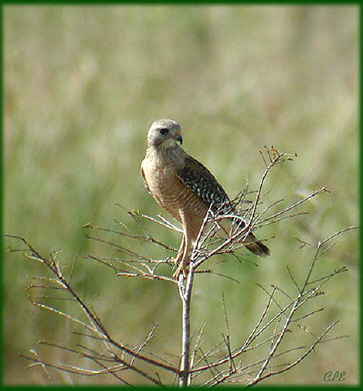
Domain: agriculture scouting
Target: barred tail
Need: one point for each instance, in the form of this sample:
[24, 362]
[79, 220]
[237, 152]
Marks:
[256, 247]
[251, 242]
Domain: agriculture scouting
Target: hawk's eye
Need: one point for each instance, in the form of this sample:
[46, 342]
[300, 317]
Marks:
[164, 131]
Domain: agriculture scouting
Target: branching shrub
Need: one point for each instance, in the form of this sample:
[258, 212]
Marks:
[269, 349]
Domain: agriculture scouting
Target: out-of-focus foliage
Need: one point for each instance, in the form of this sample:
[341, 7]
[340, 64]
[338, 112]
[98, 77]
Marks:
[82, 85]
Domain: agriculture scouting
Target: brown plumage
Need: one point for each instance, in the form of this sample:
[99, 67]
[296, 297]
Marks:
[183, 186]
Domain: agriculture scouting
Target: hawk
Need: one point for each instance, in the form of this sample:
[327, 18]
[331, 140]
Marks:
[183, 186]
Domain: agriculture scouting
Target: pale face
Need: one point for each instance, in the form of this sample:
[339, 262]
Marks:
[164, 133]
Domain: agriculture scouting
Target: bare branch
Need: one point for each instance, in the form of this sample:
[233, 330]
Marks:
[286, 304]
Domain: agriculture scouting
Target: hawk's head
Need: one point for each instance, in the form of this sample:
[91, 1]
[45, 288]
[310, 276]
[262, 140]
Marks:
[164, 133]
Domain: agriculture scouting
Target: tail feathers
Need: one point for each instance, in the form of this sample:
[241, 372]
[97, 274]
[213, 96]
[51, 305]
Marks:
[256, 247]
[251, 242]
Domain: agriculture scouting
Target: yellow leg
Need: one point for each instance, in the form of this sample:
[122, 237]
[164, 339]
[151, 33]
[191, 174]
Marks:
[181, 251]
[181, 260]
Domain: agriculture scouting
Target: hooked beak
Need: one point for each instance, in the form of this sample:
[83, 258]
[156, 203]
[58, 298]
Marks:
[178, 137]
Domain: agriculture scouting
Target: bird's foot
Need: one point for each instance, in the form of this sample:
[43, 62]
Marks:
[181, 268]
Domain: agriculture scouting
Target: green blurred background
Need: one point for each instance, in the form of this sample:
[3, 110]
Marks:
[82, 85]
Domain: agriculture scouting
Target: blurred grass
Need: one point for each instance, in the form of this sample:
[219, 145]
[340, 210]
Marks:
[82, 85]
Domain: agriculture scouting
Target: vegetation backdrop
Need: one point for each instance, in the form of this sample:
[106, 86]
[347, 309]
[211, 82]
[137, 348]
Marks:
[82, 85]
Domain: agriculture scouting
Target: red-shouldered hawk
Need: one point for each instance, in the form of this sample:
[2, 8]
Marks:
[183, 186]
